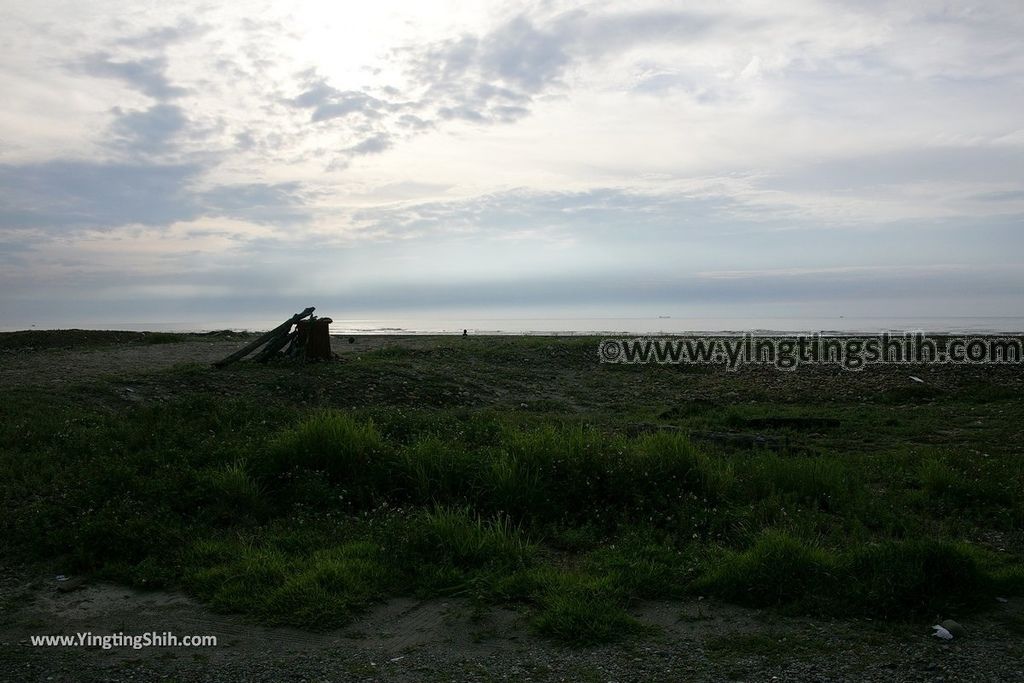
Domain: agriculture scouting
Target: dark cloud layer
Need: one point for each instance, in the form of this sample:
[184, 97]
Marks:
[259, 293]
[159, 37]
[328, 103]
[146, 75]
[492, 78]
[65, 195]
[62, 195]
[150, 177]
[270, 203]
[151, 131]
[940, 163]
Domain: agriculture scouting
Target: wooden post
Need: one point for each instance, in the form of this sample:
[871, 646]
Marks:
[318, 340]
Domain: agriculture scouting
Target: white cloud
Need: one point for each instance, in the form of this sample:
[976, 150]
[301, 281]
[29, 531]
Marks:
[562, 126]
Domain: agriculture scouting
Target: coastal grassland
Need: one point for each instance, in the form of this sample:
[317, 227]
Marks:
[519, 471]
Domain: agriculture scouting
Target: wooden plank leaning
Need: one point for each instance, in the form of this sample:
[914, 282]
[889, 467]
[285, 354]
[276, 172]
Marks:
[263, 339]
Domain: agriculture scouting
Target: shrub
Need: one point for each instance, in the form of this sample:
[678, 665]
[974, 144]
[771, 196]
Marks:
[577, 473]
[642, 568]
[581, 611]
[457, 537]
[910, 577]
[433, 471]
[320, 590]
[231, 492]
[777, 570]
[349, 452]
[944, 484]
[825, 483]
[665, 465]
[891, 579]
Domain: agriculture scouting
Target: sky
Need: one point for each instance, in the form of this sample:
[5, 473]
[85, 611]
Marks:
[213, 162]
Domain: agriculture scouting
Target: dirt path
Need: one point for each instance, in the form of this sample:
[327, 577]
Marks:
[409, 640]
[55, 367]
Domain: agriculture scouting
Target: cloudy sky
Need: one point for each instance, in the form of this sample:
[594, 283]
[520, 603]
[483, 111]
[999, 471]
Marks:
[202, 161]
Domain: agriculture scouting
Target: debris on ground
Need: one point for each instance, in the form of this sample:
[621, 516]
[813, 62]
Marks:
[66, 584]
[309, 341]
[954, 628]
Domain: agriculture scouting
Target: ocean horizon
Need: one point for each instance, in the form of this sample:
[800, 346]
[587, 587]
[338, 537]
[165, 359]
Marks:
[656, 325]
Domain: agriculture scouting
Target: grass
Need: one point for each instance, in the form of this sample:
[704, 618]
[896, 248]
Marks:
[297, 511]
[318, 589]
[892, 579]
[79, 339]
[583, 617]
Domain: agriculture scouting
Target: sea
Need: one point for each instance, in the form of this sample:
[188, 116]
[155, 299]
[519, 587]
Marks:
[567, 326]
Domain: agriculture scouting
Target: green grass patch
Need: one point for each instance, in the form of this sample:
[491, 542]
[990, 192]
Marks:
[891, 579]
[276, 505]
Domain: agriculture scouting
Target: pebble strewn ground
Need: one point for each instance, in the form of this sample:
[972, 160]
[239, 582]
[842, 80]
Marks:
[409, 640]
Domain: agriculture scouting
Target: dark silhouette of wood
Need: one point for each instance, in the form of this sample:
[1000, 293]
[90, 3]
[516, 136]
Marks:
[273, 346]
[297, 348]
[281, 329]
[318, 339]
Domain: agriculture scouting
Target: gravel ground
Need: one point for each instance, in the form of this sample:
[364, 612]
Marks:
[409, 640]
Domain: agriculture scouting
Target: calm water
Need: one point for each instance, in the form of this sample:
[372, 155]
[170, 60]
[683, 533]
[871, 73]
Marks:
[575, 326]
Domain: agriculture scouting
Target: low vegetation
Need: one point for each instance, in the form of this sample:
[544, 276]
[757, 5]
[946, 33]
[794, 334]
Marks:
[304, 513]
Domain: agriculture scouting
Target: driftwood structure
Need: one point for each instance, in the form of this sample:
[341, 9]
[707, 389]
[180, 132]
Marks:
[310, 340]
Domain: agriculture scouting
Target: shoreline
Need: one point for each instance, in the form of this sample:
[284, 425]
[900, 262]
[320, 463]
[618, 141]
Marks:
[400, 332]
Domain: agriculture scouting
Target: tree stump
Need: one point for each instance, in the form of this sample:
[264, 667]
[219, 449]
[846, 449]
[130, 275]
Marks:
[314, 337]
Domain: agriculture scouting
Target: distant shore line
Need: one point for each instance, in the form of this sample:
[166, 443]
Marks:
[403, 332]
